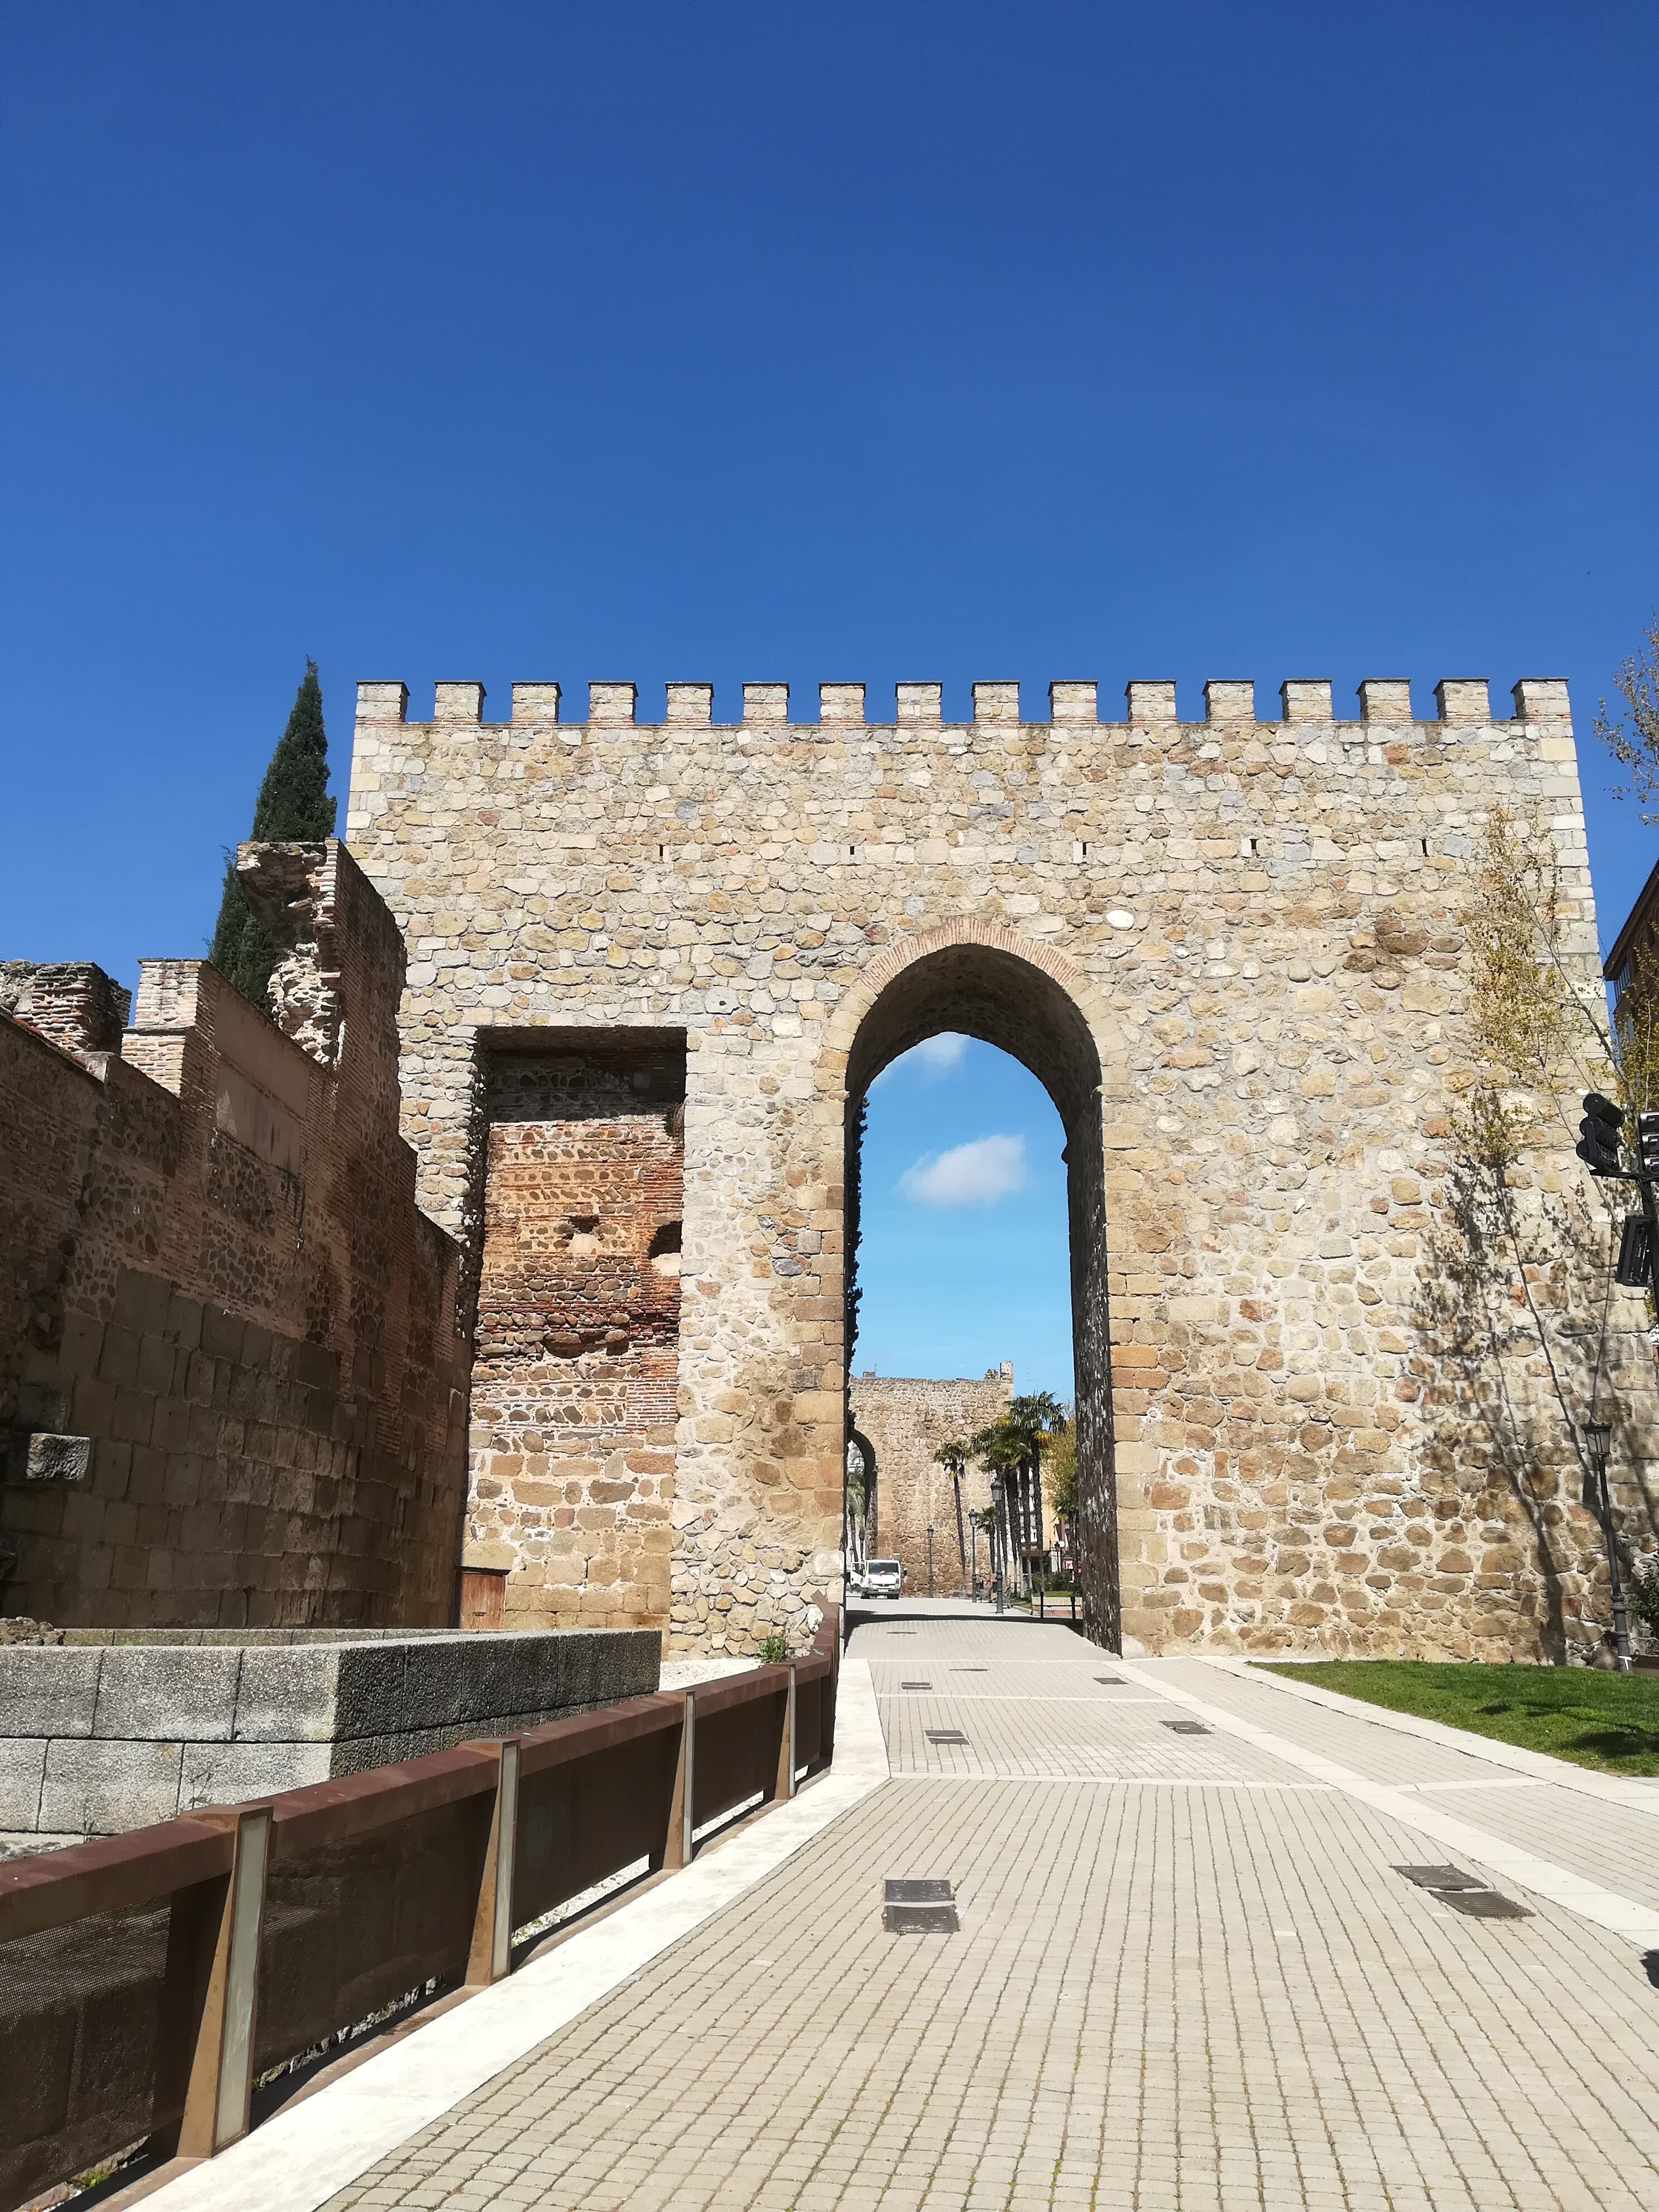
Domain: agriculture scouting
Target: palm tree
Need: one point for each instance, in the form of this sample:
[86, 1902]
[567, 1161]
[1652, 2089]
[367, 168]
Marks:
[1003, 1451]
[981, 1519]
[1011, 1448]
[954, 1456]
[1031, 1418]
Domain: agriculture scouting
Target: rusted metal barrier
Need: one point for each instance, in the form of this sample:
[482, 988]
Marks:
[146, 1981]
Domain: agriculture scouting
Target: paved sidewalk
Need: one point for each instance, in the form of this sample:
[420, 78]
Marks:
[1187, 1976]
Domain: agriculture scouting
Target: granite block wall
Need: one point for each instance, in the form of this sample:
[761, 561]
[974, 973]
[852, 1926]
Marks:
[232, 1375]
[96, 1738]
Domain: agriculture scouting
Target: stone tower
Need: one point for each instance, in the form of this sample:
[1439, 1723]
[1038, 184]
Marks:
[654, 967]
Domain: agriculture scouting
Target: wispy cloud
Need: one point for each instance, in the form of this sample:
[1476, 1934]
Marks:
[939, 1055]
[930, 1061]
[968, 1175]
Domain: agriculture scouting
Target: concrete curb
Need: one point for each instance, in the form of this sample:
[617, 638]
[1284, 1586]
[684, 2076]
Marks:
[1614, 1789]
[1603, 1908]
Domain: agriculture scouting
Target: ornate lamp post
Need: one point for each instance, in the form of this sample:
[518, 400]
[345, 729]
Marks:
[1597, 1436]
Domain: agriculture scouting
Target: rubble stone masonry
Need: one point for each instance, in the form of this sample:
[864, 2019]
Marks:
[578, 1337]
[1234, 950]
[232, 1391]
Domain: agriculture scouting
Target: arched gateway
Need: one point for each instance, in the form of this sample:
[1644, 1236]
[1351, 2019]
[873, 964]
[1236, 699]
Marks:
[653, 969]
[984, 979]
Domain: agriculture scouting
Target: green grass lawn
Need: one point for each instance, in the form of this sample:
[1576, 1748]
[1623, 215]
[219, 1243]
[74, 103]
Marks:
[1609, 1721]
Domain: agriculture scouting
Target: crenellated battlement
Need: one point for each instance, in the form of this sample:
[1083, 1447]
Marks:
[1238, 950]
[1148, 704]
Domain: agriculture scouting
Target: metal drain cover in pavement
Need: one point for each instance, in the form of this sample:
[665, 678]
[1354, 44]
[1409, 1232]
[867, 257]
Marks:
[1116, 1680]
[971, 1670]
[1187, 1728]
[1464, 1893]
[1485, 1904]
[915, 1686]
[915, 1906]
[945, 1735]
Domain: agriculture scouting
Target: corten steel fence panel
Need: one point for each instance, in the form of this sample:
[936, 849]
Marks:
[585, 1814]
[740, 1723]
[389, 1911]
[146, 1979]
[85, 2006]
[80, 2015]
[811, 1706]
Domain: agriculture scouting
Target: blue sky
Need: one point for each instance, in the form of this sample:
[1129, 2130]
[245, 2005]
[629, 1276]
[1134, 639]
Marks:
[963, 1248]
[923, 339]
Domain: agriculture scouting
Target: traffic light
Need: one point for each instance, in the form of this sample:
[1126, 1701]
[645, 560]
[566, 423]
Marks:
[1598, 1134]
[1635, 1269]
[1647, 1143]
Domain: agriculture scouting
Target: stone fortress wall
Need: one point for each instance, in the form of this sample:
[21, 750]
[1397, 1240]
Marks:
[1234, 950]
[232, 1388]
[905, 1418]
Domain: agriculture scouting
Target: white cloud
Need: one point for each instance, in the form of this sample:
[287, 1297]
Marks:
[930, 1061]
[940, 1054]
[968, 1175]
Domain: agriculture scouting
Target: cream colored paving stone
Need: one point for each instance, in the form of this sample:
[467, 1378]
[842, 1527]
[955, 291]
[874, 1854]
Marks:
[1370, 1748]
[1170, 1996]
[1614, 1845]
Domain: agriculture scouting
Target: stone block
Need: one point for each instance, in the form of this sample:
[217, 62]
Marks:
[22, 1765]
[183, 1693]
[142, 1301]
[496, 1557]
[42, 1406]
[428, 1692]
[102, 1788]
[369, 1688]
[222, 1334]
[287, 1692]
[229, 1774]
[38, 1456]
[48, 1690]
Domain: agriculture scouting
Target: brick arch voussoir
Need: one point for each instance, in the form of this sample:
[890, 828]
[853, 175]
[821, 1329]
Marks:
[844, 1023]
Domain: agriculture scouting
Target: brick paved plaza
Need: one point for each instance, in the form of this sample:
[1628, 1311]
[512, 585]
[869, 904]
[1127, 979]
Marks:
[1187, 1975]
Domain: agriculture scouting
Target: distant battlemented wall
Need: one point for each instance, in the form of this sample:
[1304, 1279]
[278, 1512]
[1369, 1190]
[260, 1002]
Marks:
[232, 1391]
[1234, 952]
[905, 1419]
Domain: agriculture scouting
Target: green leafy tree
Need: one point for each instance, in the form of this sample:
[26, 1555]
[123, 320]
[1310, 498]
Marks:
[1631, 733]
[1060, 1473]
[953, 1458]
[293, 807]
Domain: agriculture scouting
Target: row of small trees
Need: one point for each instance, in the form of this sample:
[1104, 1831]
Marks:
[1010, 1450]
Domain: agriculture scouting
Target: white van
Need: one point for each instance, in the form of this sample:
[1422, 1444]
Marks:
[882, 1577]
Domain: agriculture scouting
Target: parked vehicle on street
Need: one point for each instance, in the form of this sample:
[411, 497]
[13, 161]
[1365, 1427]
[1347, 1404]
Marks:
[882, 1577]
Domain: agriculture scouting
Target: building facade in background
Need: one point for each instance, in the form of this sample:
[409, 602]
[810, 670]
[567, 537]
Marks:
[233, 1375]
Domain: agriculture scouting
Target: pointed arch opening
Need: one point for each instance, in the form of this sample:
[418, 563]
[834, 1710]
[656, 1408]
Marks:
[1023, 1006]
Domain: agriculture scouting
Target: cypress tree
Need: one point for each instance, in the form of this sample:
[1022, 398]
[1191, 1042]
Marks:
[293, 807]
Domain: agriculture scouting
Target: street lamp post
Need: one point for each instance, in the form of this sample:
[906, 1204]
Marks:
[1597, 1436]
[930, 1558]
